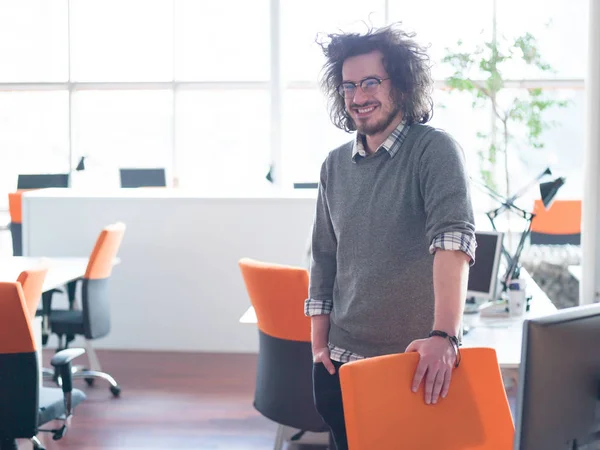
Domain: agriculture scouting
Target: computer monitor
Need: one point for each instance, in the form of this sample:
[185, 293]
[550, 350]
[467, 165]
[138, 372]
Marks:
[483, 275]
[135, 178]
[43, 180]
[559, 380]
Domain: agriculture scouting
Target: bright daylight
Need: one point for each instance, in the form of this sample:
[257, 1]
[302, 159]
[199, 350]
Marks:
[299, 225]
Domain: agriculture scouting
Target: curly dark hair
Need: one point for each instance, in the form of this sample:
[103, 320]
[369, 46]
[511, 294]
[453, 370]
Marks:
[405, 61]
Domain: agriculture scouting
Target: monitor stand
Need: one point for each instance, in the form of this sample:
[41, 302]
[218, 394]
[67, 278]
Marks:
[471, 306]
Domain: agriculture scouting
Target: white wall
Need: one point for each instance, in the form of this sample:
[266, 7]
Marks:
[178, 286]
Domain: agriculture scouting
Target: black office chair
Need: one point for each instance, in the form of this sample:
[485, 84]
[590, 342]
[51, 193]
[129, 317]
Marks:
[136, 178]
[42, 180]
[284, 388]
[16, 222]
[24, 407]
[93, 320]
[28, 182]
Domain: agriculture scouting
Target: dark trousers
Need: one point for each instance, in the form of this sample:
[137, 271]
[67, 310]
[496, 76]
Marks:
[328, 401]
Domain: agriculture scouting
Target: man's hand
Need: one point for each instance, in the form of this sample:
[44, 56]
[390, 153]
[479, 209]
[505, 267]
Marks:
[436, 361]
[321, 355]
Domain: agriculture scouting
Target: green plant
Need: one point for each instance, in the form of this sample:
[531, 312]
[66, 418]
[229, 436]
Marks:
[480, 72]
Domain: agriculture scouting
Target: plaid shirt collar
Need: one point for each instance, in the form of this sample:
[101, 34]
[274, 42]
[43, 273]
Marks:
[391, 145]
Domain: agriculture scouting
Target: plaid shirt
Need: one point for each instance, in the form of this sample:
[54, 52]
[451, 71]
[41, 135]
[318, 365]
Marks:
[444, 241]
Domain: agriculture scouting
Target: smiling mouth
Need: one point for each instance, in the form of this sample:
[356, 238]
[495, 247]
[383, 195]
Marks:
[364, 111]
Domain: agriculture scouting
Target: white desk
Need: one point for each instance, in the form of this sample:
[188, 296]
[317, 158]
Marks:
[4, 220]
[576, 272]
[60, 270]
[504, 334]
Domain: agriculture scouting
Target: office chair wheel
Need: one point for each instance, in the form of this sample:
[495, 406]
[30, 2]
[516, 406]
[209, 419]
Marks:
[58, 434]
[89, 381]
[116, 390]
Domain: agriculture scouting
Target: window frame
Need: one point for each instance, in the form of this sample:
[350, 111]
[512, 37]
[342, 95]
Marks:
[283, 178]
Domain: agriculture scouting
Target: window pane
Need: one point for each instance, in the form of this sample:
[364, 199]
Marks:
[122, 40]
[454, 113]
[469, 20]
[121, 129]
[563, 151]
[308, 135]
[33, 40]
[563, 43]
[220, 146]
[564, 144]
[223, 41]
[302, 58]
[34, 136]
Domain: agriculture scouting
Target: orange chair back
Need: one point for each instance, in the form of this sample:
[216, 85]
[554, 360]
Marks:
[563, 217]
[277, 293]
[105, 251]
[382, 412]
[14, 207]
[32, 283]
[16, 334]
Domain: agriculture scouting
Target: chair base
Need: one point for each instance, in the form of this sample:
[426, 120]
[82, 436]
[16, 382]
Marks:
[90, 375]
[313, 439]
[279, 438]
[37, 445]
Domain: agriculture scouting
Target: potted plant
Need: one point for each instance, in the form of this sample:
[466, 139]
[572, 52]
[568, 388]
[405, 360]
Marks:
[479, 71]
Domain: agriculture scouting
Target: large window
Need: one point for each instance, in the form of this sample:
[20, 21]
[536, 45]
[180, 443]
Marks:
[220, 93]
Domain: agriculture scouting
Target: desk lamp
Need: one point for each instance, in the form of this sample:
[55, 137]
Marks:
[548, 191]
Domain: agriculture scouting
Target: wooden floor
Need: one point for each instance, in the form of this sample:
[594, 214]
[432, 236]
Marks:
[169, 401]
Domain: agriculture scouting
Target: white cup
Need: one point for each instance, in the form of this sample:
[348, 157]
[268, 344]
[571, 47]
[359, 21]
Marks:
[517, 297]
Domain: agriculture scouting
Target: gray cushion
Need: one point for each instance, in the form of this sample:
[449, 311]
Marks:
[66, 321]
[52, 404]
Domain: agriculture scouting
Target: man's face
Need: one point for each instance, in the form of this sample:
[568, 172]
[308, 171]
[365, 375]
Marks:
[374, 111]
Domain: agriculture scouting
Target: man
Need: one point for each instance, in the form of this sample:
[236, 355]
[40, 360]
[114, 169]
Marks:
[388, 200]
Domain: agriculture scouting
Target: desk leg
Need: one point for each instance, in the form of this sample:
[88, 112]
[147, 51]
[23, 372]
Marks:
[510, 377]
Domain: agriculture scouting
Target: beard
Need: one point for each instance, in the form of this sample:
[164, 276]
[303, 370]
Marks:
[370, 128]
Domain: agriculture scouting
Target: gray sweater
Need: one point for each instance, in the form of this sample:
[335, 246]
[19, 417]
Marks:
[375, 221]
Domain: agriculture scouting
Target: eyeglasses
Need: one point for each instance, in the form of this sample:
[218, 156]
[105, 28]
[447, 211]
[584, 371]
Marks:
[368, 85]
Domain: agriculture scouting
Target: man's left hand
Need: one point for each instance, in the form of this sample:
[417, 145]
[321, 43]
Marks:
[436, 362]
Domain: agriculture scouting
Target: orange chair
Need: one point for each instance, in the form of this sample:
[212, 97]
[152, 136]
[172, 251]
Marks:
[24, 407]
[382, 412]
[32, 283]
[284, 390]
[558, 225]
[93, 320]
[16, 222]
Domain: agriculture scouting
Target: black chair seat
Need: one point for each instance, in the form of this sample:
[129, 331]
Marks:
[66, 321]
[52, 403]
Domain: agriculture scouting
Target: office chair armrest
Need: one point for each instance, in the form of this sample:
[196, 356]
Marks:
[66, 356]
[72, 291]
[45, 313]
[47, 301]
[62, 362]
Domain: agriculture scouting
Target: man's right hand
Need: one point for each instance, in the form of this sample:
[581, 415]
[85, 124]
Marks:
[321, 355]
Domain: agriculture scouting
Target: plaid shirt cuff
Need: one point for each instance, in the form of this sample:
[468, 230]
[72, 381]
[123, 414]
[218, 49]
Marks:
[455, 240]
[313, 307]
[341, 355]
